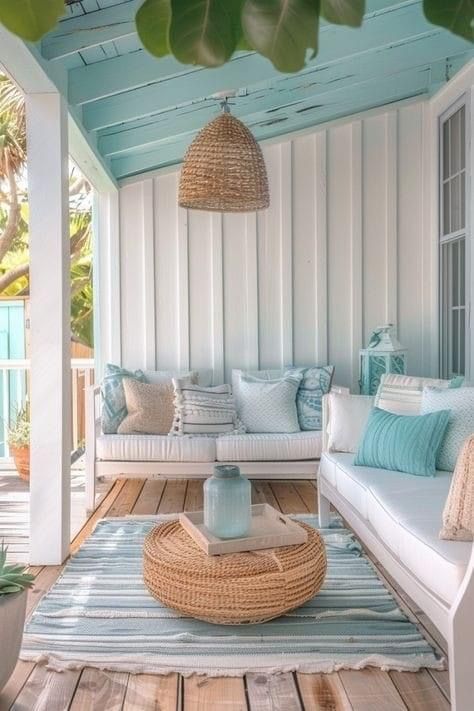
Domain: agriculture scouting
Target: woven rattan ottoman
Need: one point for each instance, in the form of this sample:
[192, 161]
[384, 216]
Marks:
[235, 588]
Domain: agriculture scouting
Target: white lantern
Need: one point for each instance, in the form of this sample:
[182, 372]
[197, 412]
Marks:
[384, 354]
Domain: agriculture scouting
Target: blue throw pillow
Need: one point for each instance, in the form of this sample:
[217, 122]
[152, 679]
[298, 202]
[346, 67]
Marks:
[114, 406]
[316, 382]
[402, 443]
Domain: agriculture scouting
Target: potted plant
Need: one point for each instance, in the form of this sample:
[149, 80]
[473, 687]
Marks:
[14, 584]
[19, 441]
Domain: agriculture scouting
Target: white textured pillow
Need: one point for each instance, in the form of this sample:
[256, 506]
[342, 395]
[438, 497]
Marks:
[268, 405]
[270, 374]
[200, 410]
[401, 394]
[347, 419]
[460, 402]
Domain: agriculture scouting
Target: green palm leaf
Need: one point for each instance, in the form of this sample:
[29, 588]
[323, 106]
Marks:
[30, 19]
[204, 32]
[455, 15]
[153, 21]
[343, 12]
[282, 30]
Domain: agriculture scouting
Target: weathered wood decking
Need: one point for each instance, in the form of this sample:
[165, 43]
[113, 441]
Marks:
[15, 510]
[32, 687]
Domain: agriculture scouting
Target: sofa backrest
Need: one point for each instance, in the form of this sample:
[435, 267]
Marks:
[401, 394]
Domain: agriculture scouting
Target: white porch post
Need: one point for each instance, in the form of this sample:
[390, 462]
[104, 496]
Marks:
[47, 132]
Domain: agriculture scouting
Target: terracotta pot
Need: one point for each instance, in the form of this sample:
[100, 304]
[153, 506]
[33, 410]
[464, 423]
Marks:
[12, 620]
[21, 457]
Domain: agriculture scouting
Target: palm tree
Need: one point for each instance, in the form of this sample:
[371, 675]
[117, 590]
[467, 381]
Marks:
[12, 156]
[14, 257]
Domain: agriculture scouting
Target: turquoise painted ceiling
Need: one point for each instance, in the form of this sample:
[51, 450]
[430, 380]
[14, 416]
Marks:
[142, 112]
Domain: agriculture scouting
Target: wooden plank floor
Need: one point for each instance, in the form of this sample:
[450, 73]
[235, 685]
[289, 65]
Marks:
[33, 688]
[15, 510]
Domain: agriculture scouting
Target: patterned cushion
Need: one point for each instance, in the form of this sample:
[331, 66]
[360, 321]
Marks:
[150, 407]
[269, 405]
[200, 410]
[401, 394]
[114, 407]
[316, 382]
[460, 402]
[402, 443]
[458, 514]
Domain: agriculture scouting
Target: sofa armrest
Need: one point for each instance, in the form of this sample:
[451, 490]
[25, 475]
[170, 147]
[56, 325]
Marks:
[340, 390]
[325, 422]
[93, 419]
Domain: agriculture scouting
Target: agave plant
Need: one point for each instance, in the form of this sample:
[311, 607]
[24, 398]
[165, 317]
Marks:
[13, 578]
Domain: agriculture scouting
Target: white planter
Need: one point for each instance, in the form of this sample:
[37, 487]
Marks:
[12, 620]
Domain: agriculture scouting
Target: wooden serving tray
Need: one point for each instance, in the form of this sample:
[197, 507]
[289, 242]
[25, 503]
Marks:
[269, 529]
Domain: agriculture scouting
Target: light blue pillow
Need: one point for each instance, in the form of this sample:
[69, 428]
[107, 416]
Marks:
[402, 443]
[460, 401]
[268, 405]
[114, 406]
[316, 382]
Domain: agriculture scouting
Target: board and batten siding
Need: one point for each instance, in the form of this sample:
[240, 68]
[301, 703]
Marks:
[344, 248]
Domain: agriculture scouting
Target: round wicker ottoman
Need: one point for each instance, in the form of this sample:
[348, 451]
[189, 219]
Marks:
[235, 588]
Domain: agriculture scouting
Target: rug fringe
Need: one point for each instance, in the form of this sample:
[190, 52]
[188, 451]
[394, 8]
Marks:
[323, 666]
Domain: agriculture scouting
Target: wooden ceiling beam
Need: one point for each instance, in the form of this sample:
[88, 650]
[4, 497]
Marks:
[338, 43]
[77, 33]
[138, 69]
[293, 92]
[337, 104]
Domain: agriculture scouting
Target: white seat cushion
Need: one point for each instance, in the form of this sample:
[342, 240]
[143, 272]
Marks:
[406, 513]
[269, 447]
[156, 448]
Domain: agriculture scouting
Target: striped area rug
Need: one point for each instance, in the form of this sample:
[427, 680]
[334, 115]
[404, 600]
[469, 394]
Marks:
[99, 614]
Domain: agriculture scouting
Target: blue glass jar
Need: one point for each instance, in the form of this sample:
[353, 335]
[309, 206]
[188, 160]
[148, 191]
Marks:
[227, 503]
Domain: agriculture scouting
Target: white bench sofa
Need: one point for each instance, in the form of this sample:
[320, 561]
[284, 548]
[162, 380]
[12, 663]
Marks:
[260, 456]
[398, 517]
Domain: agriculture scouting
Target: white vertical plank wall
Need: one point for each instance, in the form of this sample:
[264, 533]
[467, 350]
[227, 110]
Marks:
[342, 250]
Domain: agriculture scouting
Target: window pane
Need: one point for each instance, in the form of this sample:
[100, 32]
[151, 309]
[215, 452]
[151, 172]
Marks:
[446, 149]
[463, 137]
[456, 203]
[454, 260]
[462, 342]
[446, 209]
[452, 307]
[463, 201]
[455, 341]
[455, 144]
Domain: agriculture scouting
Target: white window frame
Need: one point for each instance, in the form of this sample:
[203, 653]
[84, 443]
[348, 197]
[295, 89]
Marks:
[466, 100]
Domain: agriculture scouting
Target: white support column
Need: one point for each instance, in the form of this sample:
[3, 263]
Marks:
[107, 306]
[50, 483]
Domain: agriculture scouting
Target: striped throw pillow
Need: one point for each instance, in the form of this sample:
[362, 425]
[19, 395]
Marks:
[402, 394]
[200, 410]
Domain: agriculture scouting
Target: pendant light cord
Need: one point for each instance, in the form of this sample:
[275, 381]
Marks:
[225, 106]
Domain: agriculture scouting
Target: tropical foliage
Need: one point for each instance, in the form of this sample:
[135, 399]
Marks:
[19, 428]
[14, 238]
[13, 578]
[208, 32]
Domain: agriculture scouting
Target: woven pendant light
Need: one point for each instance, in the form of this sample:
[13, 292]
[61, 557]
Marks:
[223, 169]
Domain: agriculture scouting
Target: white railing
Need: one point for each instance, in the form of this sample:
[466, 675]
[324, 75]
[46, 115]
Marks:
[14, 391]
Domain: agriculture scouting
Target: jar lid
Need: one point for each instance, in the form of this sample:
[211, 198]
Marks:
[226, 471]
